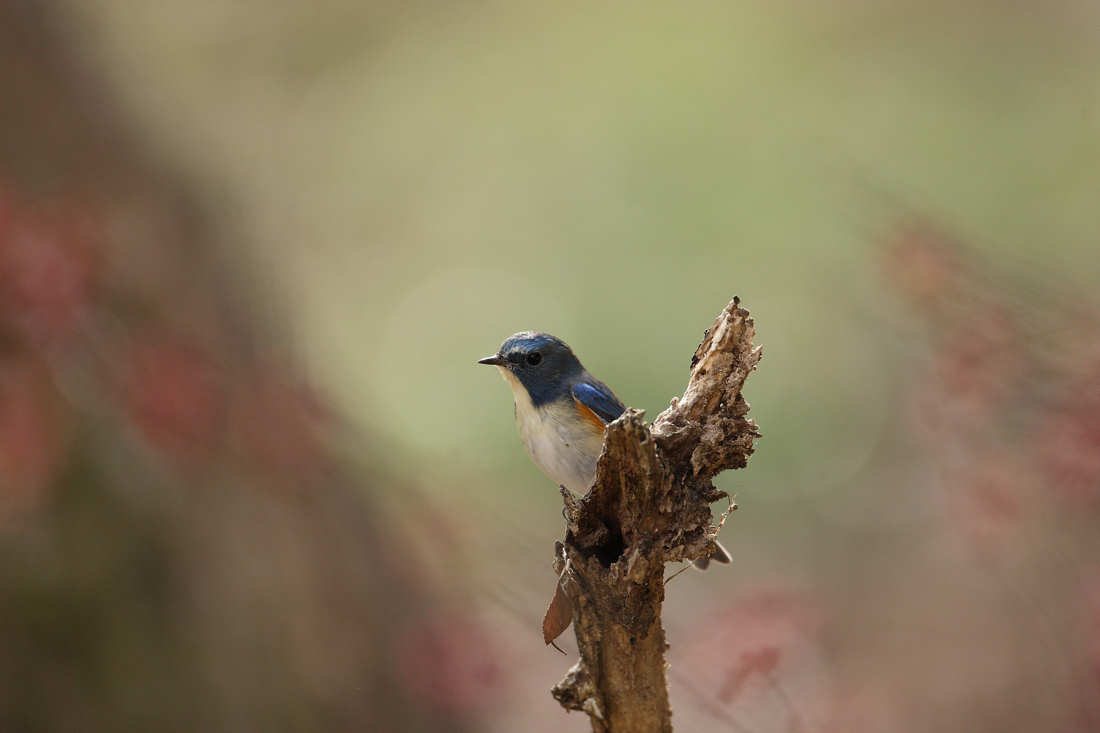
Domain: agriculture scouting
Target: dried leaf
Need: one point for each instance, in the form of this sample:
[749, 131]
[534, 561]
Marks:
[558, 616]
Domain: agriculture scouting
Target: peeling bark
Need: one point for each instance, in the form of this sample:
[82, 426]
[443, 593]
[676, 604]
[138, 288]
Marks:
[650, 505]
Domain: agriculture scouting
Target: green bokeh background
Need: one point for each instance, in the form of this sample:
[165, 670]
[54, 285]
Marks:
[423, 179]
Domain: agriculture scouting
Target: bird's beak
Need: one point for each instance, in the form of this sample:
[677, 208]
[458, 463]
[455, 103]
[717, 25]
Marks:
[493, 360]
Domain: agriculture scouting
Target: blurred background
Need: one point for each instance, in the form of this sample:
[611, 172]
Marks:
[250, 478]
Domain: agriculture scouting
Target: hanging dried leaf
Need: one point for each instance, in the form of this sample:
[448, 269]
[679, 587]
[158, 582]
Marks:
[558, 616]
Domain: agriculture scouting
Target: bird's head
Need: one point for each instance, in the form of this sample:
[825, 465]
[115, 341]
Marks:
[539, 363]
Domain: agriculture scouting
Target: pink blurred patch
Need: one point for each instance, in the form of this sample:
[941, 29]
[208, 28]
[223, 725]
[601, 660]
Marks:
[1069, 444]
[989, 501]
[451, 662]
[979, 353]
[174, 393]
[977, 370]
[31, 435]
[920, 261]
[279, 424]
[749, 638]
[760, 661]
[48, 265]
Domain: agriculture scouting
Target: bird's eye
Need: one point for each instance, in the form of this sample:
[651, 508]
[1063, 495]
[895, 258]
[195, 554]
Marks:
[534, 358]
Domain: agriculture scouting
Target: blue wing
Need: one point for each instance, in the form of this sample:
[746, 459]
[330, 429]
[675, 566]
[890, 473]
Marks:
[598, 397]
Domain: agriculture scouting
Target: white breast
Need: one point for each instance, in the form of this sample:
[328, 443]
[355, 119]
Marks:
[565, 448]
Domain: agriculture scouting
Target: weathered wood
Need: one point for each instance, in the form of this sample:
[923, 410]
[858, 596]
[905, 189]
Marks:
[650, 505]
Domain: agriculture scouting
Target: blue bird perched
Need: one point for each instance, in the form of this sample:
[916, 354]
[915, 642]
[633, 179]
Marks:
[561, 410]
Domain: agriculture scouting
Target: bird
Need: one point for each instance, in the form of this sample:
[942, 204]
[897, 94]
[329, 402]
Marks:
[562, 411]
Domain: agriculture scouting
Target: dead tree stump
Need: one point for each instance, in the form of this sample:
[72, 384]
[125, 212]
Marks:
[650, 505]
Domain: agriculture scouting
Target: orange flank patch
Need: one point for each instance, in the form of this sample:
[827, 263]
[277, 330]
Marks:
[590, 416]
